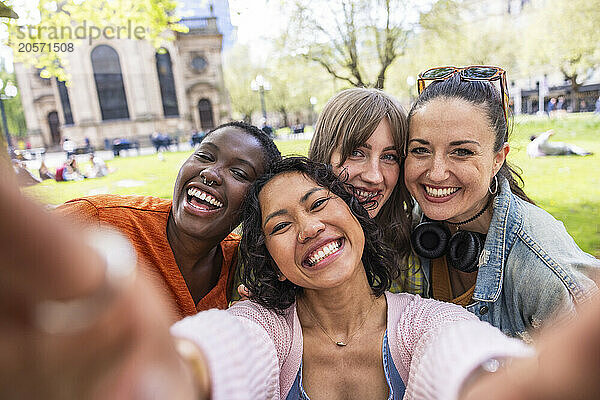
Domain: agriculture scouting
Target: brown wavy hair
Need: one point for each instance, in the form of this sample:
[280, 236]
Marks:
[346, 122]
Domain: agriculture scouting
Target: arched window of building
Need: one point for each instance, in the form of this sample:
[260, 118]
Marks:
[206, 114]
[164, 67]
[64, 100]
[54, 126]
[109, 83]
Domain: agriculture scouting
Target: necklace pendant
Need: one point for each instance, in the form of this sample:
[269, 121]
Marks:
[340, 343]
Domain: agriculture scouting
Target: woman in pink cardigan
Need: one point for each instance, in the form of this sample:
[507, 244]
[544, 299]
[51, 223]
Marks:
[320, 324]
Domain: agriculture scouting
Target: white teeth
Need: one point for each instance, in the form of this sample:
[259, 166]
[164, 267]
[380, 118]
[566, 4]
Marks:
[365, 194]
[440, 192]
[323, 252]
[213, 201]
[200, 195]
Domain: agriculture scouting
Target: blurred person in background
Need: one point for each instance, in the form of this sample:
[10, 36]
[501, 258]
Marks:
[69, 171]
[540, 146]
[44, 171]
[69, 147]
[98, 167]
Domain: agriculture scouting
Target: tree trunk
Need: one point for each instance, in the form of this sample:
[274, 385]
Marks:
[6, 169]
[283, 111]
[574, 90]
[381, 77]
[572, 78]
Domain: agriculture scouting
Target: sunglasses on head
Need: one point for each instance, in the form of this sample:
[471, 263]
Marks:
[470, 73]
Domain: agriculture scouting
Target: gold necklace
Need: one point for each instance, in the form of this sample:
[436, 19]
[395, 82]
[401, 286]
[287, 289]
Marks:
[339, 343]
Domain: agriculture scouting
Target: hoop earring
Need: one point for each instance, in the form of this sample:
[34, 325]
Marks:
[495, 186]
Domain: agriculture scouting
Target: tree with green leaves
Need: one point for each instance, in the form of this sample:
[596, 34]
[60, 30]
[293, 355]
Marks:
[293, 81]
[455, 32]
[355, 41]
[14, 110]
[238, 73]
[71, 21]
[565, 35]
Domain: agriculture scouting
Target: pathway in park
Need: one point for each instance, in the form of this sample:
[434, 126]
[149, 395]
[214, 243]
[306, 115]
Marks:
[56, 159]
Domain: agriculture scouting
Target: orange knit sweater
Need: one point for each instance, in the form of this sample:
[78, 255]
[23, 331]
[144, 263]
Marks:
[143, 219]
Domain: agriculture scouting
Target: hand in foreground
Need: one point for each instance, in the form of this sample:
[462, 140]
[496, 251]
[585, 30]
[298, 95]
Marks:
[567, 365]
[121, 350]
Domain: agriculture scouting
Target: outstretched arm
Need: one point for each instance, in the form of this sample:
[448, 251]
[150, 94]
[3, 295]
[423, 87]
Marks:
[443, 343]
[567, 365]
[452, 360]
[240, 354]
[108, 345]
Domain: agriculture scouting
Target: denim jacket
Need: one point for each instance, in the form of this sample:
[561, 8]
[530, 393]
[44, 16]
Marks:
[530, 268]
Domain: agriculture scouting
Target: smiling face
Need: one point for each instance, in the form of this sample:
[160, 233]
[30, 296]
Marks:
[311, 234]
[451, 160]
[229, 158]
[373, 168]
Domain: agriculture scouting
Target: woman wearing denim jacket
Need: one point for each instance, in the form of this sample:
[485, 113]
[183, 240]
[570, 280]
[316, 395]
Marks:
[483, 242]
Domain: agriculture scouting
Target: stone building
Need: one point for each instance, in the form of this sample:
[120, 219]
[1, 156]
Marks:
[123, 88]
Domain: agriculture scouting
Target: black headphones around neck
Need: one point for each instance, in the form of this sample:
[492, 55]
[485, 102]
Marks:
[432, 239]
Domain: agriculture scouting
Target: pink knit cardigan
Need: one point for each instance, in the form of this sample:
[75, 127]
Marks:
[254, 353]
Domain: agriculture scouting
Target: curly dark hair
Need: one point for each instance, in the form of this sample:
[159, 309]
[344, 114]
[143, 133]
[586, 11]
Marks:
[259, 272]
[270, 151]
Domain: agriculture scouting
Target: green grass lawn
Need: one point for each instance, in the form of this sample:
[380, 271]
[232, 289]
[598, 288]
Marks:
[144, 175]
[567, 187]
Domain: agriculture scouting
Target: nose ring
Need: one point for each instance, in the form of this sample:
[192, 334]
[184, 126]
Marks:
[207, 182]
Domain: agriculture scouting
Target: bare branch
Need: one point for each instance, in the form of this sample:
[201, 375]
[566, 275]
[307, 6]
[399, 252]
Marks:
[329, 69]
[341, 44]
